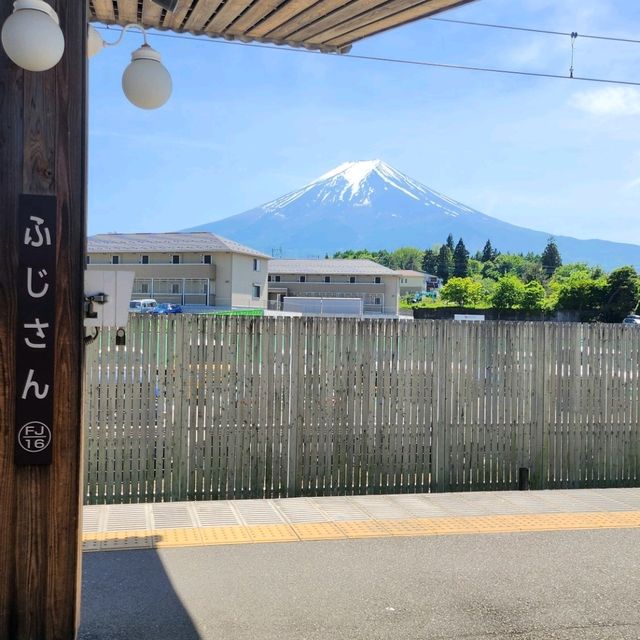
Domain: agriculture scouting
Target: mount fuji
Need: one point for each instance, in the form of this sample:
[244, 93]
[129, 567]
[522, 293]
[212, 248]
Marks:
[371, 205]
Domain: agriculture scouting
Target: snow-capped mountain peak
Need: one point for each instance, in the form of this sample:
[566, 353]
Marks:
[370, 204]
[357, 183]
[353, 173]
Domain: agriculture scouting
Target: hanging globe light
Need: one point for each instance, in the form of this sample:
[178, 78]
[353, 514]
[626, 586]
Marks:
[31, 35]
[146, 82]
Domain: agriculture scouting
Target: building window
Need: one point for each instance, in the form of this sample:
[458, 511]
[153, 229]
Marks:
[144, 288]
[256, 291]
[206, 259]
[303, 279]
[256, 265]
[377, 280]
[88, 259]
[175, 259]
[277, 278]
[352, 279]
[175, 288]
[268, 278]
[327, 278]
[115, 259]
[145, 259]
[376, 300]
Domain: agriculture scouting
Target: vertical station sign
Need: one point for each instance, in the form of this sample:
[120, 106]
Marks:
[35, 329]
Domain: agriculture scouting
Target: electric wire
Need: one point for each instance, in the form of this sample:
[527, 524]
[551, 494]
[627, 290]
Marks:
[531, 30]
[422, 63]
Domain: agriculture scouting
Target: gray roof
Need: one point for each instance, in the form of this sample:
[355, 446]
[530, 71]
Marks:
[332, 266]
[201, 241]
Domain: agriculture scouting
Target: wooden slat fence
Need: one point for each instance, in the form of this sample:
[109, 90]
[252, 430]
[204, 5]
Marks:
[206, 407]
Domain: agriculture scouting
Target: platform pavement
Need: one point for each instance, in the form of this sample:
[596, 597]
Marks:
[185, 524]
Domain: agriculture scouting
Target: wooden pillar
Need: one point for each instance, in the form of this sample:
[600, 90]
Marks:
[43, 152]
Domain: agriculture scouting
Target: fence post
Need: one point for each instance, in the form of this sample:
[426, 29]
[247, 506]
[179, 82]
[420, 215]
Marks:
[538, 436]
[181, 368]
[296, 422]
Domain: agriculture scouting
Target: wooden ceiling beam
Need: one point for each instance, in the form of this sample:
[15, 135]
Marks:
[151, 13]
[403, 17]
[103, 11]
[385, 10]
[229, 12]
[201, 14]
[353, 11]
[330, 24]
[310, 15]
[128, 11]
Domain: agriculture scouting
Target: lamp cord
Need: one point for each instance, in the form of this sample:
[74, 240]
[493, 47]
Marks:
[123, 31]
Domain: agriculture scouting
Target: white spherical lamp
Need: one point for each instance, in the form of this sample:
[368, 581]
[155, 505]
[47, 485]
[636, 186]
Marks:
[146, 82]
[31, 35]
[95, 43]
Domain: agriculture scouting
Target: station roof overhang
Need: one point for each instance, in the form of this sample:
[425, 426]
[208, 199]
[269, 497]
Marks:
[325, 25]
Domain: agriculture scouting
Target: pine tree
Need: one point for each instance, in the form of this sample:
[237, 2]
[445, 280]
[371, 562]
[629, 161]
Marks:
[450, 243]
[430, 261]
[460, 260]
[445, 263]
[488, 253]
[551, 259]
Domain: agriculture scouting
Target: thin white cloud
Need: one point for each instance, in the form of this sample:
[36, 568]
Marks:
[634, 184]
[611, 101]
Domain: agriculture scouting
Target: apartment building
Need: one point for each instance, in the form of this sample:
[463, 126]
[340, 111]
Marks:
[416, 281]
[377, 286]
[198, 268]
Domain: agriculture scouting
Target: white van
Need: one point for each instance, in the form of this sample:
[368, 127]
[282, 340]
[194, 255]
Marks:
[142, 306]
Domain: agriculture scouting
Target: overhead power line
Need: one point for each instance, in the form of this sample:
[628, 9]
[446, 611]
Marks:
[531, 30]
[420, 63]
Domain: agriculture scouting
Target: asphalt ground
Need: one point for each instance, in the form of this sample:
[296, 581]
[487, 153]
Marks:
[581, 585]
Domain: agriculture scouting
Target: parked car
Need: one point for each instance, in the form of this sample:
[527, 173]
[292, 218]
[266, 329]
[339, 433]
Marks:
[166, 308]
[142, 306]
[632, 319]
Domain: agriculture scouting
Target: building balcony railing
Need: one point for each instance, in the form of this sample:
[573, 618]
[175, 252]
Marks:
[334, 284]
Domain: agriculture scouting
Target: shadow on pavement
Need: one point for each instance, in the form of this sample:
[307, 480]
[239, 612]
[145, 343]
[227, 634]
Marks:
[128, 595]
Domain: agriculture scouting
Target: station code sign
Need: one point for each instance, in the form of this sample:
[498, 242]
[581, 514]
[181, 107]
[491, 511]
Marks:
[35, 329]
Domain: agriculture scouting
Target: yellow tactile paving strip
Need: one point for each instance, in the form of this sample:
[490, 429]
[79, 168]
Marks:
[343, 530]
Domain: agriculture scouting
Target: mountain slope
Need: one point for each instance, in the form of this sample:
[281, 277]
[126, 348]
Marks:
[371, 205]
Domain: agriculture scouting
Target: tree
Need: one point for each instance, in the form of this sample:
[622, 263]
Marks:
[445, 263]
[460, 260]
[508, 293]
[464, 292]
[506, 264]
[488, 253]
[551, 259]
[580, 292]
[622, 296]
[533, 296]
[430, 261]
[450, 242]
[408, 258]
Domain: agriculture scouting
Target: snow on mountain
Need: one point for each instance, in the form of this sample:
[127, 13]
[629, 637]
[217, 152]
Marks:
[369, 204]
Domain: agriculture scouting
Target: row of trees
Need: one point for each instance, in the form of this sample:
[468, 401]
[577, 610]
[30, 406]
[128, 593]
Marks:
[452, 259]
[608, 298]
[531, 282]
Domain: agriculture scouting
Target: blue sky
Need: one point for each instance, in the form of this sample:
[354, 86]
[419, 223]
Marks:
[246, 125]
